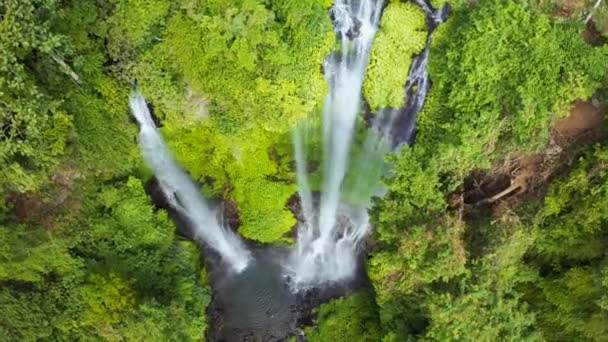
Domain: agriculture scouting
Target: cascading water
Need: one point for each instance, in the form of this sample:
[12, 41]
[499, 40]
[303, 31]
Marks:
[256, 304]
[328, 239]
[397, 126]
[182, 193]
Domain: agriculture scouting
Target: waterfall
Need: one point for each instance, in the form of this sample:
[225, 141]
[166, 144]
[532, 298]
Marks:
[183, 194]
[327, 240]
[398, 125]
[333, 226]
[326, 249]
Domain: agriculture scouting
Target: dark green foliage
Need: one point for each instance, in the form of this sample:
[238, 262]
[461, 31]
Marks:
[486, 304]
[500, 77]
[571, 248]
[85, 256]
[30, 255]
[104, 266]
[540, 275]
[575, 214]
[502, 74]
[33, 126]
[116, 272]
[403, 272]
[413, 196]
[351, 318]
[231, 78]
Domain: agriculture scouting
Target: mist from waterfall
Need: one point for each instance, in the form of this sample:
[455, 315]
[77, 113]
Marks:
[182, 193]
[334, 220]
[326, 248]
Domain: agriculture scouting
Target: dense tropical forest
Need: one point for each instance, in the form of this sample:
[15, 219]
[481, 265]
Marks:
[494, 225]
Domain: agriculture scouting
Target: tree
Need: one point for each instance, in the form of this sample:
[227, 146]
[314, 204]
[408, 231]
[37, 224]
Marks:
[402, 34]
[33, 127]
[351, 318]
[571, 247]
[104, 275]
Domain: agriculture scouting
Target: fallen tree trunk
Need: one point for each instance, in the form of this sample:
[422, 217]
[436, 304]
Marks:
[595, 7]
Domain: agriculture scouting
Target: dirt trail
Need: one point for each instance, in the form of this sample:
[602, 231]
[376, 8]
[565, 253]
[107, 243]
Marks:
[523, 174]
[584, 116]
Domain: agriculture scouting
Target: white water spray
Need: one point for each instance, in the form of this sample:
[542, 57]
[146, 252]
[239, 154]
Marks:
[183, 193]
[328, 239]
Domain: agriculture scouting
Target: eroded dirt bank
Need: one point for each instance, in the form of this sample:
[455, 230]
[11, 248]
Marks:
[523, 175]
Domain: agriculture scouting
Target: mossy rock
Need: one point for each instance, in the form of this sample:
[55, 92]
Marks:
[402, 35]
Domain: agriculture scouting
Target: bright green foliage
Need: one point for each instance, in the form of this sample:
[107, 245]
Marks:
[248, 171]
[498, 83]
[262, 188]
[239, 63]
[228, 79]
[237, 55]
[402, 35]
[131, 27]
[366, 161]
[351, 318]
[265, 216]
[437, 4]
[576, 211]
[108, 298]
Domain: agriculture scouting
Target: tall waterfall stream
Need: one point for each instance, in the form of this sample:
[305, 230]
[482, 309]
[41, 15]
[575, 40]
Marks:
[264, 292]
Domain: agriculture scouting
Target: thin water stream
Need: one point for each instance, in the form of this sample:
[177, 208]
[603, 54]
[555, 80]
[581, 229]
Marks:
[183, 194]
[398, 125]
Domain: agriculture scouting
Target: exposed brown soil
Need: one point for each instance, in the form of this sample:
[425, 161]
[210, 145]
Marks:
[523, 175]
[568, 8]
[230, 214]
[482, 184]
[584, 117]
[592, 35]
[56, 198]
[294, 204]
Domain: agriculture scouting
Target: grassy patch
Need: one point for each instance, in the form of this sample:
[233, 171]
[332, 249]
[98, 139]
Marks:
[402, 35]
